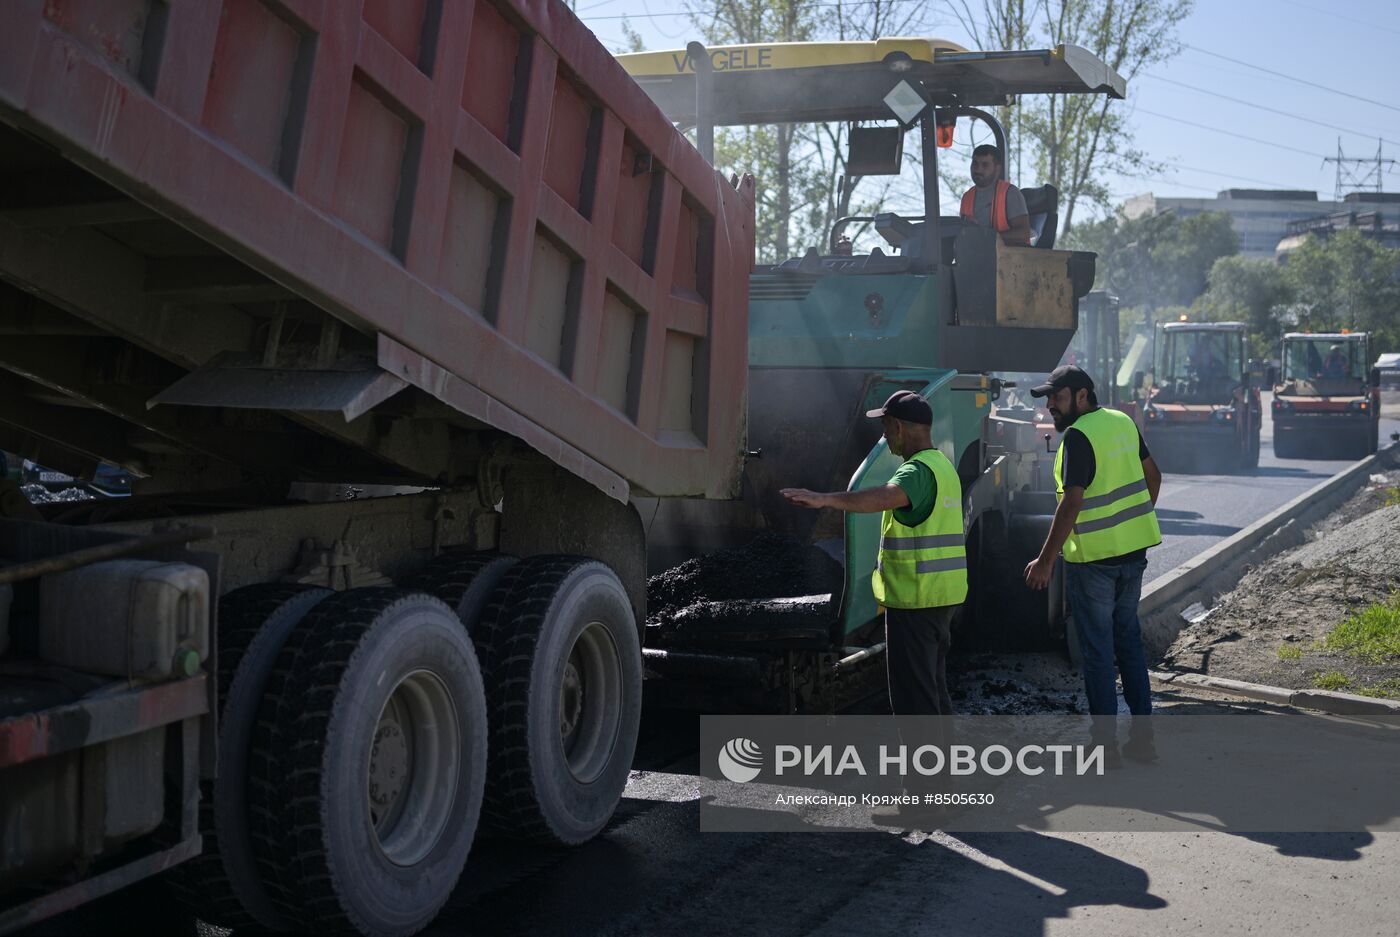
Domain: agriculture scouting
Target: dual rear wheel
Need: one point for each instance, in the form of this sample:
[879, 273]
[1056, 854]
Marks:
[356, 728]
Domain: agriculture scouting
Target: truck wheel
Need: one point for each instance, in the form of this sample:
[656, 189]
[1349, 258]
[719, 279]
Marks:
[221, 885]
[563, 652]
[1283, 445]
[463, 580]
[379, 765]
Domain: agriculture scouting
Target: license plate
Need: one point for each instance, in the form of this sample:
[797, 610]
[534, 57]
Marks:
[54, 477]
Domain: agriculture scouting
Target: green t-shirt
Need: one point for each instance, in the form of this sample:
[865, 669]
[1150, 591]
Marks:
[916, 480]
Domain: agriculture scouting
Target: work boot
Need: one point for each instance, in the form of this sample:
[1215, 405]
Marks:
[1140, 747]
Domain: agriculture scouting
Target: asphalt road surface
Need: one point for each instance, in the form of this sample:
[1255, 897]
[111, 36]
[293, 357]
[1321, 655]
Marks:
[1196, 511]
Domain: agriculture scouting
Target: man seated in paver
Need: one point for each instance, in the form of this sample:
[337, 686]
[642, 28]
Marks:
[994, 203]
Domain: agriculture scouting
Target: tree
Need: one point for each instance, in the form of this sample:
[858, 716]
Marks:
[1253, 290]
[800, 169]
[1157, 260]
[1347, 281]
[1076, 142]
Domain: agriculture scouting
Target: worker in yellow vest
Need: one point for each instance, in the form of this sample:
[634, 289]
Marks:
[1106, 520]
[994, 203]
[920, 575]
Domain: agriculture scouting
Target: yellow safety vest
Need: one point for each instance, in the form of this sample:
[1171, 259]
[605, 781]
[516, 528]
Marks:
[1117, 516]
[925, 566]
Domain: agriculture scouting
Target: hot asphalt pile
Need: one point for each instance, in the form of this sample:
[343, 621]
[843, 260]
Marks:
[1277, 626]
[729, 592]
[38, 494]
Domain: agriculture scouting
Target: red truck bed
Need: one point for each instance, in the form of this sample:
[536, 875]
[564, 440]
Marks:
[477, 185]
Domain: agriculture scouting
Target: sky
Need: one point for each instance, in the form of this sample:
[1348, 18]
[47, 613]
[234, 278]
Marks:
[1273, 135]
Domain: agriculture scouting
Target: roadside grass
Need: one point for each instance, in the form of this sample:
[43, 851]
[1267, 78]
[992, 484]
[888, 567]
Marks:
[1391, 497]
[1385, 689]
[1372, 634]
[1331, 680]
[1289, 652]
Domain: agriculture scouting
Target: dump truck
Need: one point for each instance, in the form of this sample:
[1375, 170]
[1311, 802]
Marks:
[939, 307]
[1203, 410]
[411, 321]
[390, 309]
[1326, 403]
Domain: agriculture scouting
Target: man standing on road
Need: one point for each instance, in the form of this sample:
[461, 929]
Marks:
[1106, 519]
[921, 575]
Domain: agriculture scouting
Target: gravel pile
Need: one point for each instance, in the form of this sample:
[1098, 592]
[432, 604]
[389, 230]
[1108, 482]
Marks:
[1370, 543]
[1268, 628]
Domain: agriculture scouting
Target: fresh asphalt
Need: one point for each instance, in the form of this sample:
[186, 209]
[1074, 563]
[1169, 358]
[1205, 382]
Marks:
[1197, 511]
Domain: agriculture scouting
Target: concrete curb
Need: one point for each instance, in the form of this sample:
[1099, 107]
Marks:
[1342, 704]
[1217, 570]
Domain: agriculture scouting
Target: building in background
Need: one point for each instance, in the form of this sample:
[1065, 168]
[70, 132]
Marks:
[1375, 225]
[1261, 217]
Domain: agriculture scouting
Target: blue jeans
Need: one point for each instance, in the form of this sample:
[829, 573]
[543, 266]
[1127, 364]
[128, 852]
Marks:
[1104, 602]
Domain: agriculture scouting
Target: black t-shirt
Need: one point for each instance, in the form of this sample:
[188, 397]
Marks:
[1077, 469]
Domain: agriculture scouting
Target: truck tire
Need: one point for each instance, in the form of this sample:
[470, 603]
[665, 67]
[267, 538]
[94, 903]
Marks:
[463, 580]
[370, 791]
[221, 886]
[564, 656]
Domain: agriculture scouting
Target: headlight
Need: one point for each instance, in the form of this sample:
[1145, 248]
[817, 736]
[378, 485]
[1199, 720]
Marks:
[1223, 415]
[1280, 404]
[1360, 406]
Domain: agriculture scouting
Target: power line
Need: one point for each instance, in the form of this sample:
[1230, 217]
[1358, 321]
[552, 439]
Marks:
[1231, 133]
[1301, 81]
[1260, 107]
[1342, 16]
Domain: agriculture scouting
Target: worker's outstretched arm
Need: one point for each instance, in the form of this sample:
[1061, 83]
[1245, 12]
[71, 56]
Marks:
[1154, 478]
[866, 501]
[1019, 234]
[1039, 569]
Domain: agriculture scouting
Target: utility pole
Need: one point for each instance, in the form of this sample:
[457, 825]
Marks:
[1358, 173]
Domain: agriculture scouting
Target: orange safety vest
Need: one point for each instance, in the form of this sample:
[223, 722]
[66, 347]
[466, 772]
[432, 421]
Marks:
[999, 220]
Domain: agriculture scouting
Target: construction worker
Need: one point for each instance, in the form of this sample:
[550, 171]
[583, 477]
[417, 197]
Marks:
[921, 575]
[992, 202]
[1337, 365]
[1105, 523]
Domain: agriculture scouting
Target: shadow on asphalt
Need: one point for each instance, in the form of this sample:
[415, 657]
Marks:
[1190, 524]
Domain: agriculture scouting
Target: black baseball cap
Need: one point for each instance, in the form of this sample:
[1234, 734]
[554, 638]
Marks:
[1066, 375]
[905, 405]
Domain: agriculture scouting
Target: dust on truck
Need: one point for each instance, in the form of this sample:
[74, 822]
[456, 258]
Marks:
[938, 307]
[275, 258]
[1326, 403]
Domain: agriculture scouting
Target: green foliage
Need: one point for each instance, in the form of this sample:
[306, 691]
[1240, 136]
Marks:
[1077, 142]
[800, 168]
[1289, 652]
[1331, 680]
[1346, 281]
[1391, 497]
[1157, 260]
[1383, 689]
[1252, 290]
[1373, 634]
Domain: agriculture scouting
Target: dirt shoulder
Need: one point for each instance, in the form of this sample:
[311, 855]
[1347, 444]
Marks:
[1272, 626]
